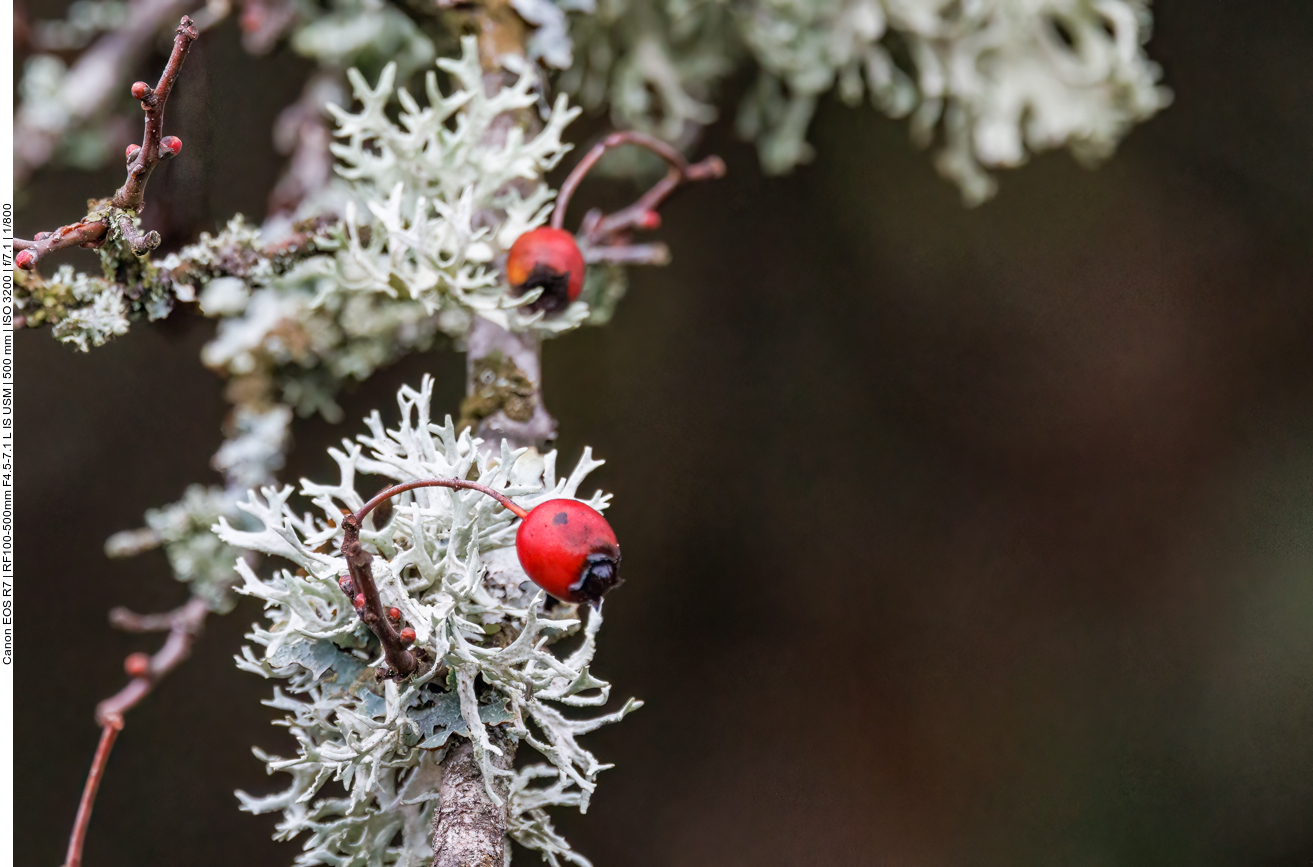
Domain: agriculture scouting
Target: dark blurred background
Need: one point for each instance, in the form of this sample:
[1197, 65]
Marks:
[952, 537]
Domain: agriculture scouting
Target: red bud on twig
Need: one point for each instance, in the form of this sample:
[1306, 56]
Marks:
[137, 664]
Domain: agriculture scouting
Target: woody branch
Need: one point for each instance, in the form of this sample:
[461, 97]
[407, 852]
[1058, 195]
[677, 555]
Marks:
[91, 230]
[184, 625]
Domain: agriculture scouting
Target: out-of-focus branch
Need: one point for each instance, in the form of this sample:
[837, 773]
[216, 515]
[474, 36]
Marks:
[606, 237]
[183, 624]
[109, 732]
[303, 131]
[91, 82]
[142, 159]
[264, 22]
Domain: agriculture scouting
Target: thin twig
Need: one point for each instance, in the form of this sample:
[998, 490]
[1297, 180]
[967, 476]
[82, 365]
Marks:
[185, 624]
[369, 605]
[91, 83]
[610, 230]
[90, 231]
[83, 233]
[108, 733]
[627, 254]
[131, 194]
[126, 620]
[455, 484]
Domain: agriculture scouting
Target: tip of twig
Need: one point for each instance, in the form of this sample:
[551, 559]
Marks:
[709, 168]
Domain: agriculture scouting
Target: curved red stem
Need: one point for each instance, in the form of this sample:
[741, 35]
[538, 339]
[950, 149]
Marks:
[391, 492]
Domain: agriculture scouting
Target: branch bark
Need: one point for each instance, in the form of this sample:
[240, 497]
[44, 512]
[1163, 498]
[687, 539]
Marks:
[469, 830]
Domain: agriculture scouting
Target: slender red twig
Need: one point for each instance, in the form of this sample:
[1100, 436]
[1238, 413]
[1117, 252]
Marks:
[183, 624]
[368, 603]
[606, 230]
[391, 492]
[90, 232]
[108, 733]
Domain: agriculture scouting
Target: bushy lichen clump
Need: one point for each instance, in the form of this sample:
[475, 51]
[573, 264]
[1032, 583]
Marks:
[989, 80]
[485, 633]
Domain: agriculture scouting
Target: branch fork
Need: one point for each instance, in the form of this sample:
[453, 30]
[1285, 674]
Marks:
[608, 237]
[359, 585]
[92, 231]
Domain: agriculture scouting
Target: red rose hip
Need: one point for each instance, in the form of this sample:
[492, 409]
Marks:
[549, 259]
[569, 550]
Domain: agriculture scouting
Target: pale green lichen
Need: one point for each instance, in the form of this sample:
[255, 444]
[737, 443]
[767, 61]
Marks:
[991, 80]
[197, 557]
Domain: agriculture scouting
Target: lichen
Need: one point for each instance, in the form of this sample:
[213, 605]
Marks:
[485, 634]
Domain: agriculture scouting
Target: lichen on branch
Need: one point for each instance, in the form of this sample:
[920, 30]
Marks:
[485, 639]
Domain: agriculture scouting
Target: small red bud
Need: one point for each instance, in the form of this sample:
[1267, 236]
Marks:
[140, 90]
[394, 614]
[137, 665]
[550, 259]
[347, 585]
[131, 151]
[40, 236]
[252, 19]
[25, 259]
[359, 601]
[650, 220]
[569, 550]
[170, 146]
[407, 635]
